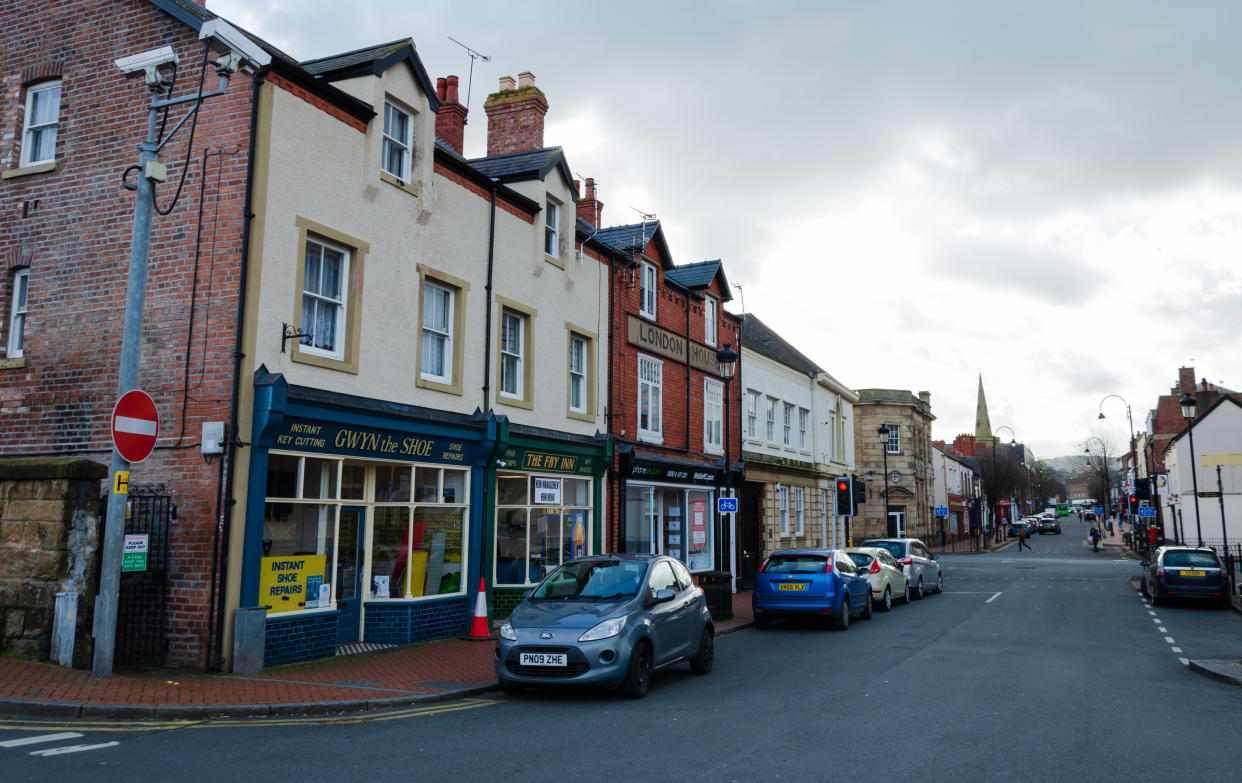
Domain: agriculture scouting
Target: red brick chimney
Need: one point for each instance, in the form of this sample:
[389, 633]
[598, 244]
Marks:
[515, 116]
[451, 119]
[589, 207]
[1186, 380]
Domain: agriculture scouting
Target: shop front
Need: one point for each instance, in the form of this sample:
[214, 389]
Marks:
[361, 522]
[546, 495]
[670, 509]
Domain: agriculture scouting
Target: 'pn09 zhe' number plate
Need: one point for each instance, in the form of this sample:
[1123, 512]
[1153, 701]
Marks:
[543, 659]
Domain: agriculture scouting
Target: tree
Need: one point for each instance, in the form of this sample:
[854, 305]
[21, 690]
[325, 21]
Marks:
[1096, 465]
[1045, 482]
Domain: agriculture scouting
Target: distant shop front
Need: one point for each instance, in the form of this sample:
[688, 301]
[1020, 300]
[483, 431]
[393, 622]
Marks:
[670, 508]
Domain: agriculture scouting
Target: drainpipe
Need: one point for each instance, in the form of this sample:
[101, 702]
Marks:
[487, 333]
[687, 408]
[614, 503]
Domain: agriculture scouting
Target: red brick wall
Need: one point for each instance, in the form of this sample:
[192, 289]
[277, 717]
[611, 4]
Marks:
[75, 238]
[515, 121]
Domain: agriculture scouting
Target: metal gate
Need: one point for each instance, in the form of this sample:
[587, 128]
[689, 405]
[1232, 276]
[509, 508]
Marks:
[141, 639]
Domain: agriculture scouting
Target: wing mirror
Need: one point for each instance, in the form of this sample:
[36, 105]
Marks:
[662, 597]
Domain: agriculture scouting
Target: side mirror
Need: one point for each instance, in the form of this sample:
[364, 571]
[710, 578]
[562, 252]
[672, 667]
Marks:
[663, 596]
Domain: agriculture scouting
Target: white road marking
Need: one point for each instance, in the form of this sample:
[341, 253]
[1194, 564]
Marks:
[1156, 620]
[1185, 661]
[1176, 649]
[1169, 639]
[17, 743]
[1150, 612]
[993, 598]
[72, 749]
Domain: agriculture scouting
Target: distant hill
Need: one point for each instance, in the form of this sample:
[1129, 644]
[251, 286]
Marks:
[1071, 465]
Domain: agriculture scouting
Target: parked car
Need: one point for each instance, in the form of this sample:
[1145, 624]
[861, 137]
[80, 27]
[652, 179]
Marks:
[1088, 516]
[920, 566]
[810, 582]
[1049, 525]
[606, 620]
[887, 578]
[1016, 528]
[1185, 572]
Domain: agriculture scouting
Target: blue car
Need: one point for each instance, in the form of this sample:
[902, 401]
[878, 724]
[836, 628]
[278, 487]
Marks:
[811, 582]
[606, 620]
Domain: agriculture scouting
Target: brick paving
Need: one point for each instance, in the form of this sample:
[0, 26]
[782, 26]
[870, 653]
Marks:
[449, 668]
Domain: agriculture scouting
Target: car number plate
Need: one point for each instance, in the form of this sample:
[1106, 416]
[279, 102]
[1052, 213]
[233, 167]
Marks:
[543, 659]
[1194, 573]
[791, 586]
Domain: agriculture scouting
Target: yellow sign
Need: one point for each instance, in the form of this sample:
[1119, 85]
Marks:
[287, 584]
[120, 482]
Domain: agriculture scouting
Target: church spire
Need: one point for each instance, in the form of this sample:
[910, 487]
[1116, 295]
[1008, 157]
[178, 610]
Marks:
[983, 425]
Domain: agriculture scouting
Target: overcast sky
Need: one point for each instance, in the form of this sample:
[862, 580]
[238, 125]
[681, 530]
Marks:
[912, 193]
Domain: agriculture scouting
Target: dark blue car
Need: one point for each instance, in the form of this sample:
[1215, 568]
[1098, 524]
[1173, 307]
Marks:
[811, 582]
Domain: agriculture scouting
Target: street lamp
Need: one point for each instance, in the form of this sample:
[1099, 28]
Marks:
[727, 358]
[1188, 404]
[1133, 456]
[1013, 441]
[884, 435]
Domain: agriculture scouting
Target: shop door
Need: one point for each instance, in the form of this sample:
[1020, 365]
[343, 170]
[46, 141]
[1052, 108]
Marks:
[749, 553]
[897, 523]
[349, 563]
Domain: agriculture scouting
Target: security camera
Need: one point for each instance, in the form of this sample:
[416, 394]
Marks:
[233, 49]
[137, 64]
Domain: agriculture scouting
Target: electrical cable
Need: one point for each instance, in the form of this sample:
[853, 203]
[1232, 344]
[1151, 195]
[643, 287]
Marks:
[189, 147]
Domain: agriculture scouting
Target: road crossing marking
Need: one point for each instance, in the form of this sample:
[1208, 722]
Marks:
[1185, 661]
[1169, 639]
[1176, 649]
[17, 743]
[72, 749]
[993, 598]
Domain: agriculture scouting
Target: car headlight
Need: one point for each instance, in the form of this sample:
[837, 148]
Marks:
[604, 630]
[507, 632]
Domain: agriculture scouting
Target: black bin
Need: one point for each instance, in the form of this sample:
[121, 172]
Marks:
[718, 587]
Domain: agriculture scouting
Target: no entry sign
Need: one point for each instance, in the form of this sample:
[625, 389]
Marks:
[135, 425]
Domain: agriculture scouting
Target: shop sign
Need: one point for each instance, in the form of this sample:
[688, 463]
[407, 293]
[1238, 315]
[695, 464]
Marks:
[548, 462]
[674, 473]
[662, 342]
[287, 584]
[547, 491]
[355, 441]
[698, 523]
[134, 556]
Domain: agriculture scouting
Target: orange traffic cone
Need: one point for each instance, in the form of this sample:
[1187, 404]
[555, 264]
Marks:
[479, 632]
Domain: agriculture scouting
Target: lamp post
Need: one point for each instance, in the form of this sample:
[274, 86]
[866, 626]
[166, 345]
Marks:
[883, 431]
[1133, 457]
[727, 358]
[1188, 403]
[1013, 441]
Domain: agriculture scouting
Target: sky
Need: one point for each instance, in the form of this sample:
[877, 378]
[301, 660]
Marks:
[914, 193]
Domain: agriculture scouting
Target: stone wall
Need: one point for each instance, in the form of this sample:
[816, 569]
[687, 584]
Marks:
[49, 529]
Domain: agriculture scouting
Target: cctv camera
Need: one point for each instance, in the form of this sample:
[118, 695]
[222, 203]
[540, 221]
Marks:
[137, 64]
[234, 49]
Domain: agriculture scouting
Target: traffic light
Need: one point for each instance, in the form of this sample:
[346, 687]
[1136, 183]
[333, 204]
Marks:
[860, 493]
[1133, 500]
[845, 504]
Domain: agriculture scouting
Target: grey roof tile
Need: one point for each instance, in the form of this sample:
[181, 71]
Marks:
[760, 337]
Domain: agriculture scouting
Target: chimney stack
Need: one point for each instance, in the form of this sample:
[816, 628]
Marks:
[451, 119]
[515, 116]
[1186, 380]
[589, 208]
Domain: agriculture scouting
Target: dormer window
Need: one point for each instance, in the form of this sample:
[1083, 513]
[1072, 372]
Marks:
[551, 234]
[647, 291]
[398, 142]
[709, 320]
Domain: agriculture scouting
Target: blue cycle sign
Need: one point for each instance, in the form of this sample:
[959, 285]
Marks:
[942, 511]
[1147, 511]
[726, 505]
[1099, 512]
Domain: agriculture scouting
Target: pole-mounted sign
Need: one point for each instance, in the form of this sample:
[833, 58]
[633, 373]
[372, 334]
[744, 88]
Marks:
[135, 425]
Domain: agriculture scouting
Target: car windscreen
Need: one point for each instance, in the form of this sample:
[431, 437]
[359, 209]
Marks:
[860, 559]
[592, 579]
[796, 564]
[1197, 559]
[895, 548]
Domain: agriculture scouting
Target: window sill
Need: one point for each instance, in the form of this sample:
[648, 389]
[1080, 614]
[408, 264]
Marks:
[554, 261]
[516, 402]
[440, 386]
[719, 452]
[655, 439]
[649, 316]
[406, 186]
[15, 363]
[580, 416]
[34, 168]
[328, 363]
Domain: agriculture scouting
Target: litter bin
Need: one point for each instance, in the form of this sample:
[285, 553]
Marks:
[718, 589]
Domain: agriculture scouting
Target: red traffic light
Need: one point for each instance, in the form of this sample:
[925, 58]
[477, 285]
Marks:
[843, 486]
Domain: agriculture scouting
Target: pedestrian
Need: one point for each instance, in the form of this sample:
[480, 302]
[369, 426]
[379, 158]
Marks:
[1152, 535]
[1022, 542]
[1094, 537]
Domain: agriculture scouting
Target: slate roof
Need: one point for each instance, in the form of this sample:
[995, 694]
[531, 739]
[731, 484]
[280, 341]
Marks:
[698, 276]
[374, 60]
[531, 164]
[760, 337]
[628, 239]
[193, 15]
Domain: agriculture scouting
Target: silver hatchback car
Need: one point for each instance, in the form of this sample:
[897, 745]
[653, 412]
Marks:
[919, 564]
[606, 620]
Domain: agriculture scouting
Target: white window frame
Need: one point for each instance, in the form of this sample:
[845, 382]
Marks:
[551, 228]
[434, 331]
[787, 423]
[647, 290]
[32, 129]
[516, 358]
[655, 389]
[771, 420]
[404, 145]
[782, 499]
[894, 439]
[709, 320]
[799, 511]
[18, 306]
[752, 414]
[578, 374]
[804, 421]
[713, 416]
[338, 348]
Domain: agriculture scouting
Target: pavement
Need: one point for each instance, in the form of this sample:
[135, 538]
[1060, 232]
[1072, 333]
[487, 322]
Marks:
[429, 672]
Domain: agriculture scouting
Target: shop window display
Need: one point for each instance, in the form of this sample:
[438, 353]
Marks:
[670, 521]
[541, 521]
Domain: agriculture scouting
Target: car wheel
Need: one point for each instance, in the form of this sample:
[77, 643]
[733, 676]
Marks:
[1156, 600]
[638, 679]
[842, 621]
[918, 590]
[512, 689]
[905, 593]
[702, 662]
[867, 608]
[939, 582]
[886, 603]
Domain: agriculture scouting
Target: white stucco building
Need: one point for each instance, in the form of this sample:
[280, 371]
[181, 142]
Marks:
[1217, 443]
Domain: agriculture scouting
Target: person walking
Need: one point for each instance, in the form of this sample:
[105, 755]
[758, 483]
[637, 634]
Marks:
[1094, 537]
[1022, 542]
